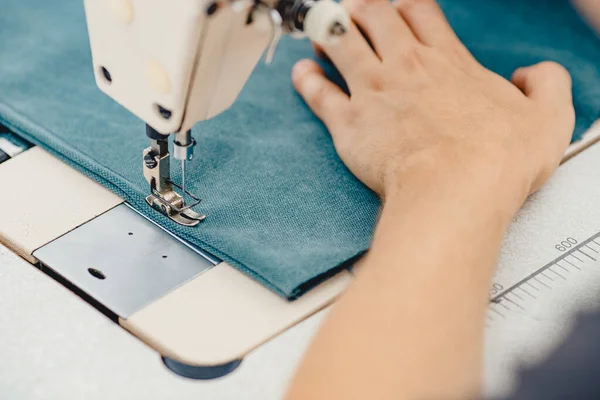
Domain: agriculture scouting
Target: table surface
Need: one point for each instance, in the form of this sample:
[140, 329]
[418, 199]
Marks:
[53, 345]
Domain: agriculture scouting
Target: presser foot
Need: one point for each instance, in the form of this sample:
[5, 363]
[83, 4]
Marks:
[163, 197]
[168, 205]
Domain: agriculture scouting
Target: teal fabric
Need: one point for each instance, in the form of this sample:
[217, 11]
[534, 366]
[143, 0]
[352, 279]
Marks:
[281, 206]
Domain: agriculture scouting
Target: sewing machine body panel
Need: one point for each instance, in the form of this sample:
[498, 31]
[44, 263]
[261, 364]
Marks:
[148, 48]
[222, 315]
[230, 52]
[47, 199]
[189, 57]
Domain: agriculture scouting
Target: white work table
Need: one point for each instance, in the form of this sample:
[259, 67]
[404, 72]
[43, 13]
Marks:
[53, 345]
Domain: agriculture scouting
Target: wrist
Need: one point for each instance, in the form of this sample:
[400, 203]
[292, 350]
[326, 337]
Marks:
[479, 184]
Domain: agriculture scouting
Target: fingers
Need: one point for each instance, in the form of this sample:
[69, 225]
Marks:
[429, 25]
[385, 28]
[352, 56]
[320, 53]
[323, 97]
[547, 82]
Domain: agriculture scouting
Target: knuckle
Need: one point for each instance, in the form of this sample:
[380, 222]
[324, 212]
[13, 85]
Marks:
[350, 5]
[556, 69]
[408, 5]
[563, 115]
[319, 95]
[412, 58]
[357, 7]
[566, 113]
[375, 82]
[369, 2]
[550, 65]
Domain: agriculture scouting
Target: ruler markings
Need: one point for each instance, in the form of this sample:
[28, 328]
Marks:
[516, 295]
[520, 287]
[550, 269]
[515, 303]
[591, 248]
[571, 264]
[540, 281]
[575, 257]
[531, 284]
[562, 257]
[497, 312]
[562, 267]
[543, 273]
[587, 255]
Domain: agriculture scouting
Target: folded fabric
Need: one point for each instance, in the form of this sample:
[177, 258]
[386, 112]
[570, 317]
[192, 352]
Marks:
[281, 206]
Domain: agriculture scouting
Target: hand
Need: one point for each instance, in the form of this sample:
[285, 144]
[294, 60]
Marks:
[420, 104]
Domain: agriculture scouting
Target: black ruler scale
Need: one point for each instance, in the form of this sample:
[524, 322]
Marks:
[578, 259]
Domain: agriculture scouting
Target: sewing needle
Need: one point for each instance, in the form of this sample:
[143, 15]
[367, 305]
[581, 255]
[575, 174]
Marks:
[183, 177]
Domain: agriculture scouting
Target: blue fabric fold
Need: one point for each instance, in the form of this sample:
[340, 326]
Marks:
[281, 206]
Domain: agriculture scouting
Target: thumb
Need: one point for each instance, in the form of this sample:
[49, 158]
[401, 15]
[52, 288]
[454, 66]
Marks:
[547, 82]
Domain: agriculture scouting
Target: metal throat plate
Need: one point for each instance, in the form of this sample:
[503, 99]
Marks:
[123, 260]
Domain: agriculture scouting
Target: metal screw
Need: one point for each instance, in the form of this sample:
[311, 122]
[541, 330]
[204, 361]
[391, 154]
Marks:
[96, 273]
[212, 9]
[150, 161]
[166, 114]
[106, 74]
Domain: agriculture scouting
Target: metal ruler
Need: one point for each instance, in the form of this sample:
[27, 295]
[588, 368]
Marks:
[548, 274]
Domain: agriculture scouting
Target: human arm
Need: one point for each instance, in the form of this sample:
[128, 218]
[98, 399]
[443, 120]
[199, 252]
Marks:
[453, 150]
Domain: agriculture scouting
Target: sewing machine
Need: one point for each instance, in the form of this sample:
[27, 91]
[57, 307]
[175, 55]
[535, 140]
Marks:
[171, 64]
[204, 318]
[174, 64]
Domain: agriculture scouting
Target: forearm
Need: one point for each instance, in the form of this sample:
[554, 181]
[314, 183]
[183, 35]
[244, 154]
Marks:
[411, 325]
[463, 147]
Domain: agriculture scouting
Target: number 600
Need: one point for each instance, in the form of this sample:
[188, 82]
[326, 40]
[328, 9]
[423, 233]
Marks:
[566, 244]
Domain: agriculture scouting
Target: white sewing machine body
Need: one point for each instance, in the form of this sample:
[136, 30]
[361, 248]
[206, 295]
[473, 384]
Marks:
[174, 63]
[191, 58]
[181, 56]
